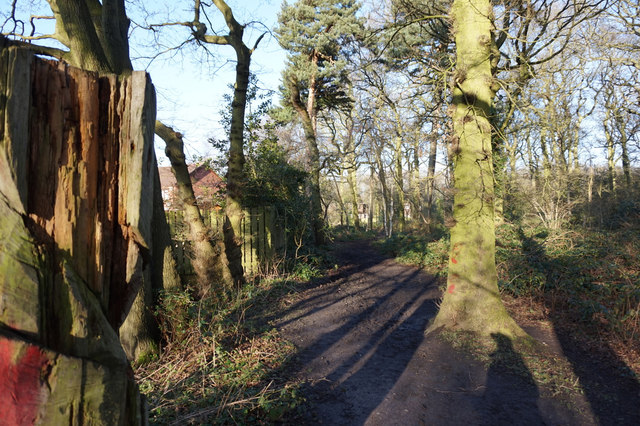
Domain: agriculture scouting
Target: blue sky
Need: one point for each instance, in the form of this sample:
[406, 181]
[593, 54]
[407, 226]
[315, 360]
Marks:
[190, 89]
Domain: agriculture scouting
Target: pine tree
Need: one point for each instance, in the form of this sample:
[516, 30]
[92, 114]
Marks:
[320, 36]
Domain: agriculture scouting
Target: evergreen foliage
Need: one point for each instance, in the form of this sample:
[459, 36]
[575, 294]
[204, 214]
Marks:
[321, 37]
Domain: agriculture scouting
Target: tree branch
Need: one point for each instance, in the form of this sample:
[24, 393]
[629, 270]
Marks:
[216, 39]
[40, 50]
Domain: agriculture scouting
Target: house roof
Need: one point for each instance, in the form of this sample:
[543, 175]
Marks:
[167, 179]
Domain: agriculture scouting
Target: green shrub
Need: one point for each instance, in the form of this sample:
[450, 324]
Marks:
[593, 272]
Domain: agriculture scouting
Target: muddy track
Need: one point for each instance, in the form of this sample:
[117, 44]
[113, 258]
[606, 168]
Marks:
[364, 358]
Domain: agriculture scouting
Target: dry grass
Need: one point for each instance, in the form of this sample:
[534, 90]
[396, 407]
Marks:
[219, 367]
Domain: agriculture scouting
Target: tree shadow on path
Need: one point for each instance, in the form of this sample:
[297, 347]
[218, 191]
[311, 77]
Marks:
[511, 392]
[363, 357]
[357, 336]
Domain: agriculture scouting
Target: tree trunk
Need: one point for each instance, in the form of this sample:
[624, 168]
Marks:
[317, 221]
[624, 150]
[140, 334]
[415, 182]
[386, 196]
[431, 171]
[235, 170]
[611, 159]
[209, 262]
[471, 301]
[76, 163]
[352, 179]
[313, 158]
[96, 34]
[343, 208]
[399, 181]
[371, 199]
[499, 171]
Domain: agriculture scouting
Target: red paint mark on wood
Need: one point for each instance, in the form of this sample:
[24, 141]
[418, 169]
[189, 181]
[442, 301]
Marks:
[451, 288]
[20, 382]
[453, 260]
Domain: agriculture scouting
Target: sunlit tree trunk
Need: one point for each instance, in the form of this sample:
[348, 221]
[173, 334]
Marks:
[471, 301]
[96, 35]
[209, 262]
[416, 193]
[352, 181]
[386, 193]
[532, 163]
[611, 156]
[352, 168]
[76, 239]
[235, 166]
[371, 196]
[399, 182]
[343, 208]
[624, 150]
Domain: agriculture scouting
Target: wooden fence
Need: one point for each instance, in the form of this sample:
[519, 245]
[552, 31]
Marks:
[263, 237]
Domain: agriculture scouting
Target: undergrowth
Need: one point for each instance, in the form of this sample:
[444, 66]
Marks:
[221, 361]
[586, 279]
[350, 233]
[430, 252]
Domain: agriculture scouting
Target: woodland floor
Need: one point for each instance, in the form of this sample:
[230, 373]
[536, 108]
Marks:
[363, 358]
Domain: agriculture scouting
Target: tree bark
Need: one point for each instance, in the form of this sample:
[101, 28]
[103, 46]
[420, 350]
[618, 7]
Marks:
[96, 34]
[399, 182]
[235, 166]
[140, 333]
[352, 182]
[343, 208]
[416, 193]
[352, 168]
[386, 196]
[611, 156]
[235, 171]
[76, 159]
[371, 198]
[471, 301]
[624, 149]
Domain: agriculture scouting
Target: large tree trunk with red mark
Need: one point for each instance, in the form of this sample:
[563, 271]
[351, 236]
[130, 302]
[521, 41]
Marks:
[76, 244]
[472, 300]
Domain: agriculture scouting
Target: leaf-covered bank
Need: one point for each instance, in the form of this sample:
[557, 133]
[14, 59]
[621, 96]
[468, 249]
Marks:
[587, 279]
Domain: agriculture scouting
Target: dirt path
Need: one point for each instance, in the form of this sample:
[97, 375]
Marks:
[365, 359]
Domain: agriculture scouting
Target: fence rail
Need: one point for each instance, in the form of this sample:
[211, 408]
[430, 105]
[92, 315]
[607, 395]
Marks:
[263, 237]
